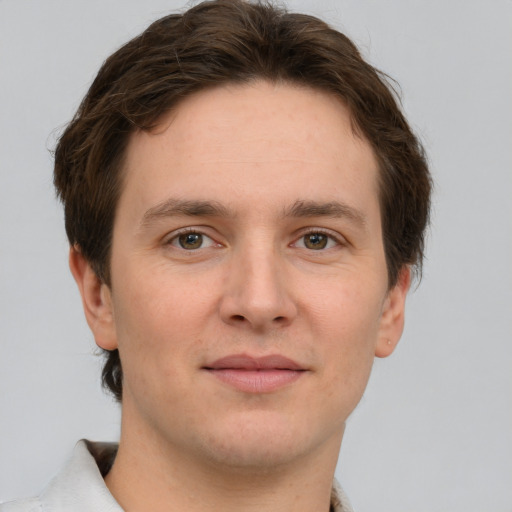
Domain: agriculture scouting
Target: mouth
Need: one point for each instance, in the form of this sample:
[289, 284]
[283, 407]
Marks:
[256, 374]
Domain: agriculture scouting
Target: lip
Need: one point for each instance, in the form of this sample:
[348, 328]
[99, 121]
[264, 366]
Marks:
[256, 374]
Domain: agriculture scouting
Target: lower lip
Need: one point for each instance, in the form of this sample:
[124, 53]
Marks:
[257, 381]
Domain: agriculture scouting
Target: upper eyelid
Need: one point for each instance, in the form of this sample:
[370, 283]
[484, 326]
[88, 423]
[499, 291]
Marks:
[342, 240]
[299, 233]
[171, 240]
[185, 230]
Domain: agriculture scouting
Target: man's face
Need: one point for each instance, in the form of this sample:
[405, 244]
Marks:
[249, 286]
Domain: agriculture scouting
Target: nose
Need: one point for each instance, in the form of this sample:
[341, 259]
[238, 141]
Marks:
[256, 295]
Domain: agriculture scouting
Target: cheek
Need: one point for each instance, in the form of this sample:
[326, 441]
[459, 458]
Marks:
[348, 325]
[348, 311]
[160, 301]
[160, 319]
[156, 340]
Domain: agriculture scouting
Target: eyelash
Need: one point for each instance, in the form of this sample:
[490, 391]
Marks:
[186, 231]
[338, 240]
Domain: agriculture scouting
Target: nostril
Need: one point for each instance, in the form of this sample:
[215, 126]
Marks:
[279, 319]
[238, 318]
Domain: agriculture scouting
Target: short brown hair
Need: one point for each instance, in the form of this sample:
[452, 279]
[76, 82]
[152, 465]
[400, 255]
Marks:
[218, 42]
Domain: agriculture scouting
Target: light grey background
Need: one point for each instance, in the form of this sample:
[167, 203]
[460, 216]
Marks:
[434, 430]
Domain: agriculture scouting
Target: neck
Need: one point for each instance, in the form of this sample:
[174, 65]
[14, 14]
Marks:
[149, 474]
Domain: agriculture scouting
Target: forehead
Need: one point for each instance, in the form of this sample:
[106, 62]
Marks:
[259, 142]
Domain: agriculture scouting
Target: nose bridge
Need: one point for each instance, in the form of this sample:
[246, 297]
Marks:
[257, 292]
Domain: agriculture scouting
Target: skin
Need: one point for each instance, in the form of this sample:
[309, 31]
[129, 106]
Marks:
[261, 153]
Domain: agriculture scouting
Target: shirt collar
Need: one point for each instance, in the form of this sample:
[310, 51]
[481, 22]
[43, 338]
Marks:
[80, 486]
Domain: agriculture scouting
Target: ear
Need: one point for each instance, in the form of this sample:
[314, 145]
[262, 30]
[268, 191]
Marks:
[96, 300]
[392, 319]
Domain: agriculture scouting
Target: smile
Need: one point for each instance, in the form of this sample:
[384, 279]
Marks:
[256, 375]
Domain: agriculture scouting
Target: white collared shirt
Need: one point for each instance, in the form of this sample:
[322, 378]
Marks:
[80, 487]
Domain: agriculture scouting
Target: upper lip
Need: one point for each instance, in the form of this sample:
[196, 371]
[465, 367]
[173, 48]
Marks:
[246, 362]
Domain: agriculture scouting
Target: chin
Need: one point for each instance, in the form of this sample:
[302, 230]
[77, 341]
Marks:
[253, 456]
[260, 444]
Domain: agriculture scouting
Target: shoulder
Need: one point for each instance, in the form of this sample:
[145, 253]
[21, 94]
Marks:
[339, 500]
[27, 505]
[79, 486]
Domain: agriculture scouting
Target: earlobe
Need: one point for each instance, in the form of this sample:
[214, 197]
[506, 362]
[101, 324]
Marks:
[393, 315]
[96, 300]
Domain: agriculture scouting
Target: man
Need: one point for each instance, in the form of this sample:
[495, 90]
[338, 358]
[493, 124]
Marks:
[245, 205]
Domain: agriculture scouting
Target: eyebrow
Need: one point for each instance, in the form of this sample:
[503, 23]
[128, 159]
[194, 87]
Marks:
[299, 209]
[179, 207]
[333, 209]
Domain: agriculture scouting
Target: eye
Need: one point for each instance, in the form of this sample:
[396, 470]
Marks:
[191, 240]
[316, 241]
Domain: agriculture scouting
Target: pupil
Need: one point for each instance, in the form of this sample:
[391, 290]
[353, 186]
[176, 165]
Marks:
[316, 241]
[191, 240]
